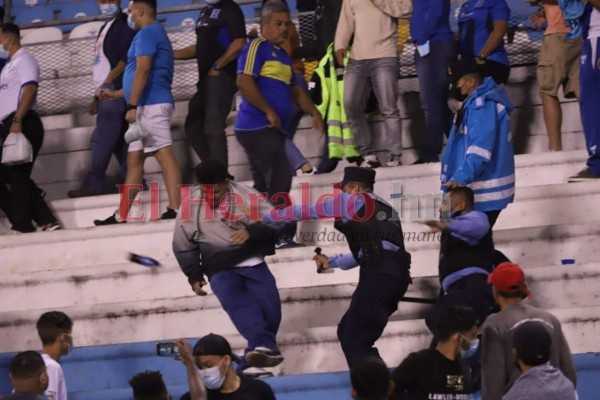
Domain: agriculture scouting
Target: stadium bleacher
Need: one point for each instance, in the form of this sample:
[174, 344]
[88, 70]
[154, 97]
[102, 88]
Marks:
[121, 310]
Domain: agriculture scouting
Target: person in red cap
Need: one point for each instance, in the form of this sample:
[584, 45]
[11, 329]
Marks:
[499, 371]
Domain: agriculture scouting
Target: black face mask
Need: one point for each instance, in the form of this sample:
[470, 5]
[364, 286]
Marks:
[456, 94]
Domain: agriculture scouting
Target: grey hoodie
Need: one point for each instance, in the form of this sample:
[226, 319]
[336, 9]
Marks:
[543, 382]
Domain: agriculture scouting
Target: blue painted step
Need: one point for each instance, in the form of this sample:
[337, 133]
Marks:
[103, 372]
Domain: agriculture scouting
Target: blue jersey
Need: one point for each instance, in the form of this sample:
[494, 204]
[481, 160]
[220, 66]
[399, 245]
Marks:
[475, 23]
[151, 41]
[271, 68]
[430, 20]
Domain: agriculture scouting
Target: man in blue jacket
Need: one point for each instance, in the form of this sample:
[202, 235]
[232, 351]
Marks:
[435, 53]
[479, 153]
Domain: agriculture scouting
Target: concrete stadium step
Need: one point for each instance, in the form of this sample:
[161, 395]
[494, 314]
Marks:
[418, 184]
[105, 307]
[95, 247]
[317, 349]
[65, 157]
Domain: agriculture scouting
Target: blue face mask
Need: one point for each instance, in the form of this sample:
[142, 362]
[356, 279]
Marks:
[212, 1]
[473, 346]
[109, 10]
[212, 378]
[130, 22]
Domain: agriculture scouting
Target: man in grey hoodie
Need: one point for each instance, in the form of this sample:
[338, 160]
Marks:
[215, 238]
[539, 380]
[498, 369]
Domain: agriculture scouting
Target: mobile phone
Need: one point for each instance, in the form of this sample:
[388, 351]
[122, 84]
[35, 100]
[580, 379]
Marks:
[143, 260]
[167, 349]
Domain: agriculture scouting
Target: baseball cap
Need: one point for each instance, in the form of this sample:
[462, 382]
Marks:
[509, 278]
[358, 174]
[211, 172]
[212, 345]
[462, 68]
[532, 343]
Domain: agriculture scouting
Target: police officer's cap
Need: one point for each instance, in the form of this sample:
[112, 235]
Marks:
[358, 174]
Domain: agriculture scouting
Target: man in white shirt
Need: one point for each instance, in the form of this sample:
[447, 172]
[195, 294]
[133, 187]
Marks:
[54, 329]
[373, 64]
[18, 91]
[110, 58]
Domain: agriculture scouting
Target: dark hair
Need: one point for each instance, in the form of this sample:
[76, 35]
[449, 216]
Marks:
[1, 15]
[149, 3]
[148, 385]
[454, 320]
[515, 294]
[51, 325]
[370, 378]
[465, 193]
[11, 30]
[27, 365]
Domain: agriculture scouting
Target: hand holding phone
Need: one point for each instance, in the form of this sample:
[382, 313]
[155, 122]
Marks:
[167, 349]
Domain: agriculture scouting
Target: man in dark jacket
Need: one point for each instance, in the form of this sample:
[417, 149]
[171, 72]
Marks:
[110, 58]
[214, 239]
[374, 234]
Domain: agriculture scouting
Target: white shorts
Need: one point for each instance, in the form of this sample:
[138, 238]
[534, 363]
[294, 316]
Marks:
[156, 120]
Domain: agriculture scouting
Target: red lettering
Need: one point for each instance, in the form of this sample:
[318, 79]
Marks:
[225, 205]
[127, 194]
[154, 201]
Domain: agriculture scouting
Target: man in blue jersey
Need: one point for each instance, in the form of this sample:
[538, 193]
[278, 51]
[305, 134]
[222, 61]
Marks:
[147, 89]
[480, 153]
[435, 53]
[589, 77]
[268, 89]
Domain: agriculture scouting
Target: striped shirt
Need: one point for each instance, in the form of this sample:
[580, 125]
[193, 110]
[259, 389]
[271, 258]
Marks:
[271, 68]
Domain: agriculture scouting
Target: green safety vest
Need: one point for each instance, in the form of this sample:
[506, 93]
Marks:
[341, 141]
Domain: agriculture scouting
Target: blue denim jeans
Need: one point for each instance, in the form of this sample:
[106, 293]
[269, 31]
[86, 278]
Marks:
[432, 71]
[249, 296]
[589, 77]
[381, 75]
[108, 139]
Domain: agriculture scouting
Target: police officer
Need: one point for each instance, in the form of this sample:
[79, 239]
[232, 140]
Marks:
[374, 234]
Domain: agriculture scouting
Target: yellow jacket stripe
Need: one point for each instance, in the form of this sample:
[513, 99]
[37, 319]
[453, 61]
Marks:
[251, 58]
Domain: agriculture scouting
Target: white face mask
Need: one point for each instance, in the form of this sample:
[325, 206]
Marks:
[109, 10]
[470, 352]
[212, 378]
[3, 52]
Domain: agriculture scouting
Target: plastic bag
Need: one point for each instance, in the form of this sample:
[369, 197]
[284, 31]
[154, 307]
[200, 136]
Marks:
[135, 132]
[16, 150]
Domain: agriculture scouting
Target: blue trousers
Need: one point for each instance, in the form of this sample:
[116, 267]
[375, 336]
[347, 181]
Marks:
[589, 77]
[108, 139]
[295, 156]
[249, 296]
[432, 72]
[373, 302]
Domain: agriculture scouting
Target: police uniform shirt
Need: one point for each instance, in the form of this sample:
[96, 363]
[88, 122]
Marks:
[429, 375]
[21, 70]
[218, 26]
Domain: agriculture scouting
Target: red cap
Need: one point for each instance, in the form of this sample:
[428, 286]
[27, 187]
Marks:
[508, 278]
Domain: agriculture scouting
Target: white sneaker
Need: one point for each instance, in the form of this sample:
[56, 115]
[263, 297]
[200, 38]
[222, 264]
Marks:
[371, 161]
[394, 161]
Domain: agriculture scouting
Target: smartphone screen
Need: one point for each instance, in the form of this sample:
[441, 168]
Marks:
[167, 349]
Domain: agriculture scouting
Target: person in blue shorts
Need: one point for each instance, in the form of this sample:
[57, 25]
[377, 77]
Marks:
[482, 25]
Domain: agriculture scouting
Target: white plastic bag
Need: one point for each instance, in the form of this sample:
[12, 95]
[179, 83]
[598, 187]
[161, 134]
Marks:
[16, 150]
[135, 132]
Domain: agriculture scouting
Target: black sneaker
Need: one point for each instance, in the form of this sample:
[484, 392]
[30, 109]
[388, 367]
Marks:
[54, 226]
[394, 161]
[585, 174]
[112, 220]
[370, 161]
[253, 372]
[424, 161]
[83, 192]
[169, 214]
[262, 357]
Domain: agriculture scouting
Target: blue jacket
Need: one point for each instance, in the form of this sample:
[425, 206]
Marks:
[430, 20]
[480, 152]
[572, 12]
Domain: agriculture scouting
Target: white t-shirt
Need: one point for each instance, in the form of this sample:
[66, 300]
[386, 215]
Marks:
[101, 67]
[57, 388]
[594, 31]
[22, 69]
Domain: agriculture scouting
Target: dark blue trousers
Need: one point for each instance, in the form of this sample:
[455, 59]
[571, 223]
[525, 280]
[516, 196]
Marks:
[375, 299]
[589, 77]
[432, 72]
[250, 297]
[108, 139]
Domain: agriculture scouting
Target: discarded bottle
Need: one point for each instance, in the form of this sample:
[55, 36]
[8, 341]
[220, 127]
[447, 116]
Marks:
[567, 261]
[143, 260]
